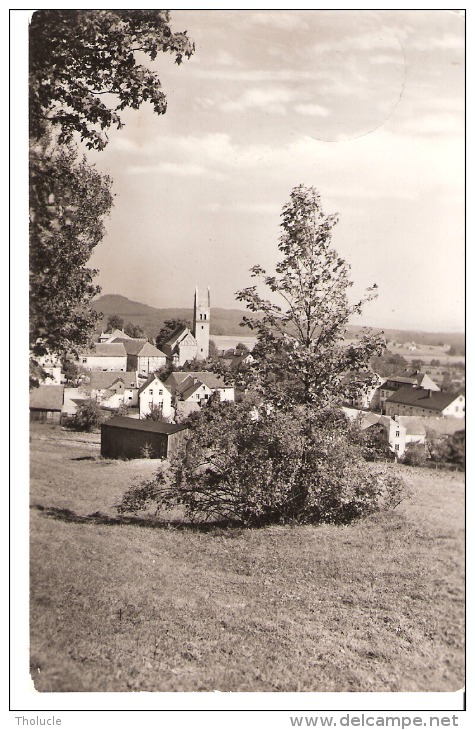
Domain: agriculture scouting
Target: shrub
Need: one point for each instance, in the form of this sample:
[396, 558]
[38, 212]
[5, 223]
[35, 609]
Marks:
[300, 465]
[88, 415]
[414, 455]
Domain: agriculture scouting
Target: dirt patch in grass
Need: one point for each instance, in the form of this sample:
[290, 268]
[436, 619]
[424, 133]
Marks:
[143, 605]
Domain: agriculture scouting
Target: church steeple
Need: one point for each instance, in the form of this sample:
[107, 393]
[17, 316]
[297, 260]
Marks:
[201, 322]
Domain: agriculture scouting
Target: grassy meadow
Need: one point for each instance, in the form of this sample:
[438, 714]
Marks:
[141, 604]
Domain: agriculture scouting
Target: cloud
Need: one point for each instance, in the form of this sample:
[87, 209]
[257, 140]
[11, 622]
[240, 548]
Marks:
[272, 100]
[180, 169]
[312, 110]
[278, 19]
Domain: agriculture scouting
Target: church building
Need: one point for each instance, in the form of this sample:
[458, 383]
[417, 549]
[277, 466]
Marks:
[184, 345]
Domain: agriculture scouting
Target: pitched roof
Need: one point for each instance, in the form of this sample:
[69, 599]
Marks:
[114, 335]
[100, 380]
[105, 349]
[414, 425]
[143, 424]
[140, 347]
[151, 378]
[444, 426]
[176, 336]
[47, 397]
[205, 376]
[422, 398]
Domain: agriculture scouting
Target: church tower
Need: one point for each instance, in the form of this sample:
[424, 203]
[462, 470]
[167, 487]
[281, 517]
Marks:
[201, 322]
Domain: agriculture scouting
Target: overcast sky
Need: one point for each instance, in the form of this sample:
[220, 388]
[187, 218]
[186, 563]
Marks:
[367, 106]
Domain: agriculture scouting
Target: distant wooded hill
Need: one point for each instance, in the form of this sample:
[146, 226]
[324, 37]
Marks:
[226, 322]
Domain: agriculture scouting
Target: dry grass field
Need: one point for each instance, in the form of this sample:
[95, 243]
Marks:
[140, 604]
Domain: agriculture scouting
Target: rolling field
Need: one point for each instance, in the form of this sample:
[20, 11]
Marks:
[141, 604]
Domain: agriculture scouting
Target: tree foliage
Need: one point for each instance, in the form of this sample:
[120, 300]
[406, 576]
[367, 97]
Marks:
[88, 415]
[68, 202]
[134, 330]
[169, 327]
[301, 354]
[415, 455]
[278, 467]
[114, 322]
[84, 68]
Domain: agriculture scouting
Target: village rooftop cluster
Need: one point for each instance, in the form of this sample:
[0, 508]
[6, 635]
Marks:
[125, 374]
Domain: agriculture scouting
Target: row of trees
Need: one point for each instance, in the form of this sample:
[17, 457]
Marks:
[83, 72]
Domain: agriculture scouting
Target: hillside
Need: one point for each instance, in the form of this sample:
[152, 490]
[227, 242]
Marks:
[227, 322]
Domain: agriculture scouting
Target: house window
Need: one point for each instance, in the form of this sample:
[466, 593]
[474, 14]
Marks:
[202, 327]
[150, 392]
[84, 360]
[160, 392]
[204, 316]
[396, 447]
[397, 434]
[130, 397]
[150, 404]
[206, 396]
[456, 408]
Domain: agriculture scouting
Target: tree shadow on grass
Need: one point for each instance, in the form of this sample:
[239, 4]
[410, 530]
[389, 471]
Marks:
[215, 528]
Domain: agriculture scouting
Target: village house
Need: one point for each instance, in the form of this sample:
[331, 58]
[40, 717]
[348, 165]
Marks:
[188, 386]
[104, 356]
[111, 389]
[51, 364]
[400, 430]
[234, 359]
[414, 379]
[114, 335]
[185, 345]
[142, 356]
[155, 394]
[131, 438]
[424, 402]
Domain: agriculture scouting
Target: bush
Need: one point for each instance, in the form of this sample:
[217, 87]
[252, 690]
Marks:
[414, 455]
[88, 415]
[297, 466]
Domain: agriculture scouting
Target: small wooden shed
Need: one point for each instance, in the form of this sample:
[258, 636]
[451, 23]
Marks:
[46, 403]
[130, 438]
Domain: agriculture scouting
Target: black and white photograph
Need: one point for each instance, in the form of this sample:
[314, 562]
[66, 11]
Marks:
[246, 360]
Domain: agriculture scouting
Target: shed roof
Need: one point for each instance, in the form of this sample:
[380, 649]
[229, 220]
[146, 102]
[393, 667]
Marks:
[136, 424]
[47, 397]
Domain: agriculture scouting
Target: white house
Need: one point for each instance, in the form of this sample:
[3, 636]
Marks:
[112, 389]
[104, 356]
[155, 393]
[51, 364]
[198, 386]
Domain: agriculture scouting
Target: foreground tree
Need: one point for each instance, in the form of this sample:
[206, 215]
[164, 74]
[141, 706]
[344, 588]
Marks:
[291, 456]
[83, 71]
[69, 200]
[256, 471]
[301, 356]
[84, 68]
